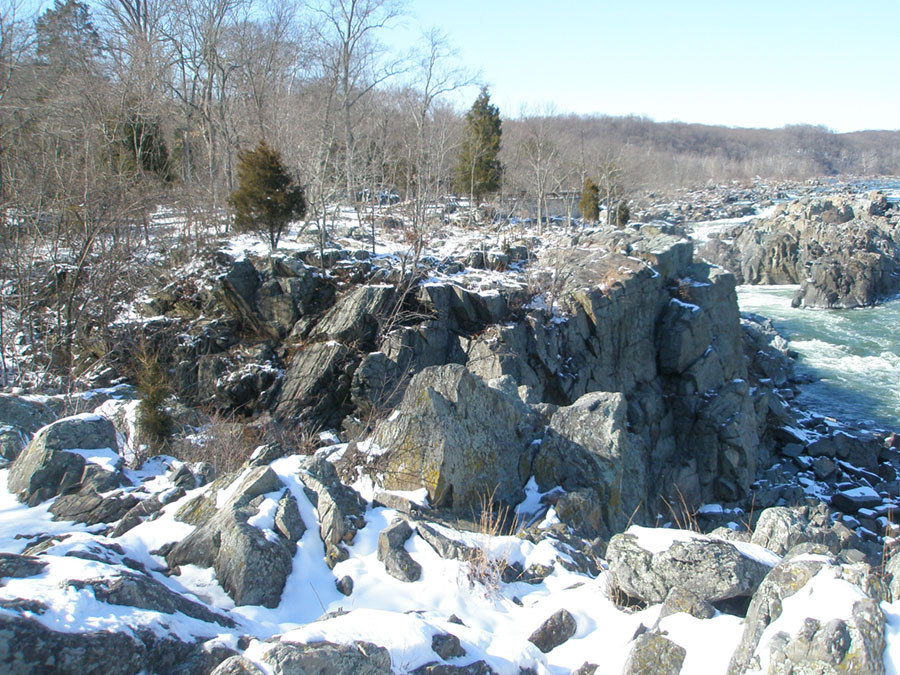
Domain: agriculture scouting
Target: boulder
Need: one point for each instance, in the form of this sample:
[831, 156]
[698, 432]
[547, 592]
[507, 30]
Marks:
[15, 566]
[55, 459]
[340, 508]
[654, 653]
[778, 641]
[237, 665]
[355, 316]
[648, 564]
[397, 561]
[20, 418]
[326, 658]
[27, 646]
[251, 566]
[135, 590]
[554, 631]
[461, 440]
[587, 445]
[315, 383]
[682, 600]
[780, 528]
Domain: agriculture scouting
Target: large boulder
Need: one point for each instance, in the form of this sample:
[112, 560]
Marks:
[654, 653]
[845, 636]
[20, 418]
[458, 438]
[780, 528]
[316, 383]
[647, 564]
[355, 317]
[587, 445]
[251, 563]
[62, 455]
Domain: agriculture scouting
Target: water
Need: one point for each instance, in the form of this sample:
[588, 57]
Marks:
[854, 353]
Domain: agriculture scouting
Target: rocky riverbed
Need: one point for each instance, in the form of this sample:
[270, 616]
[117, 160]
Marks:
[464, 463]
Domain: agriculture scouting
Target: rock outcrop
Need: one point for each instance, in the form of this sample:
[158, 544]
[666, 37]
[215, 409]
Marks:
[844, 252]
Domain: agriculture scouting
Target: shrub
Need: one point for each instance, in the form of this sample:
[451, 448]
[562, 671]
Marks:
[267, 198]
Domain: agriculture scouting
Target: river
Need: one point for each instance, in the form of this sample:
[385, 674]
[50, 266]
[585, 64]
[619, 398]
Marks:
[853, 354]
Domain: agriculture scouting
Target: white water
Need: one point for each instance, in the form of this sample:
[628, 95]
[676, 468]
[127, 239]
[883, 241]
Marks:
[854, 353]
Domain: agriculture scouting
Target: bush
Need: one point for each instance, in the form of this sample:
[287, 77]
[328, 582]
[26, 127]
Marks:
[267, 198]
[589, 204]
[155, 422]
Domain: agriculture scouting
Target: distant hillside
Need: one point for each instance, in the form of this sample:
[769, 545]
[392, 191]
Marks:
[659, 154]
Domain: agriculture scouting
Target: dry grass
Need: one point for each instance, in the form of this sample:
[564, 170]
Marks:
[484, 566]
[227, 444]
[683, 515]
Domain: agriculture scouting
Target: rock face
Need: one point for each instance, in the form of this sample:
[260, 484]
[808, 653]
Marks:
[458, 438]
[850, 642]
[843, 251]
[315, 383]
[587, 446]
[46, 468]
[251, 566]
[713, 570]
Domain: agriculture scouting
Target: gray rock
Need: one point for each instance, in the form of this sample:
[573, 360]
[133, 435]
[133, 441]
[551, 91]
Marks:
[475, 668]
[134, 590]
[341, 510]
[326, 658]
[344, 585]
[315, 383]
[653, 653]
[251, 568]
[587, 446]
[20, 418]
[14, 566]
[683, 600]
[355, 316]
[447, 646]
[44, 469]
[26, 646]
[803, 651]
[397, 560]
[554, 631]
[458, 438]
[713, 570]
[237, 665]
[288, 522]
[837, 646]
[780, 528]
[852, 500]
[89, 507]
[444, 546]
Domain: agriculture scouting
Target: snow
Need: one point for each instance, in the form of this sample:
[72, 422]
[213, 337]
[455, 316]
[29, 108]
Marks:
[657, 540]
[106, 458]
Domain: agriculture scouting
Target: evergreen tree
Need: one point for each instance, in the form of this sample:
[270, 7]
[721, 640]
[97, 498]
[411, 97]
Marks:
[66, 38]
[267, 198]
[589, 204]
[478, 171]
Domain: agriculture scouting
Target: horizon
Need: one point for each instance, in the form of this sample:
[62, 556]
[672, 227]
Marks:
[762, 66]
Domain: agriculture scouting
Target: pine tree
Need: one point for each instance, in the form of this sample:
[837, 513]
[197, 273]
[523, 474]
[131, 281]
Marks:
[267, 198]
[478, 171]
[589, 204]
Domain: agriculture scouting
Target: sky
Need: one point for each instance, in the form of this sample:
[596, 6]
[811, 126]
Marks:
[756, 63]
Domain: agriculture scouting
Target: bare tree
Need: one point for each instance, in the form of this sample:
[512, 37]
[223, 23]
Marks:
[354, 59]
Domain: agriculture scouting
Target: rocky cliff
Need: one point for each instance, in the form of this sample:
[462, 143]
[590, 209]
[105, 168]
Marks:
[843, 251]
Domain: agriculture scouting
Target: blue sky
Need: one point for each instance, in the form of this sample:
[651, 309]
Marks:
[758, 63]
